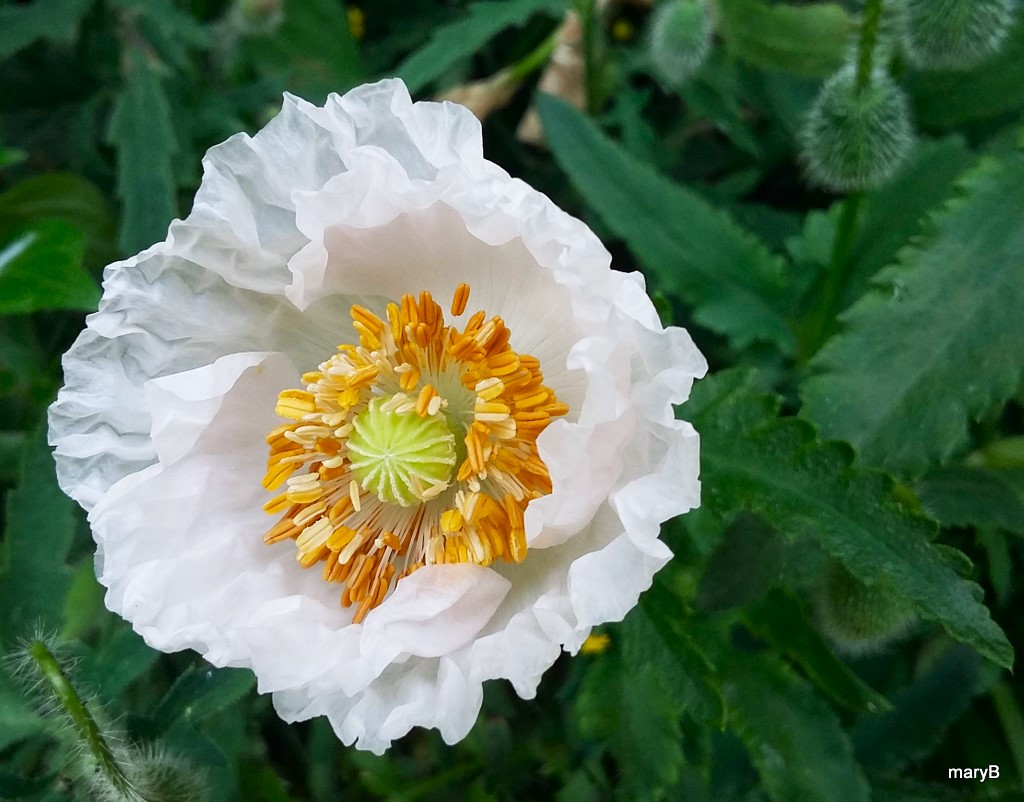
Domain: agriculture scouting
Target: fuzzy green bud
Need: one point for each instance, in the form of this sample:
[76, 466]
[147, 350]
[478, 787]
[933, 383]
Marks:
[680, 39]
[953, 34]
[856, 137]
[861, 619]
[161, 776]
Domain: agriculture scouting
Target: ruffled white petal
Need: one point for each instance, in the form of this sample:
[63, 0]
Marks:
[170, 390]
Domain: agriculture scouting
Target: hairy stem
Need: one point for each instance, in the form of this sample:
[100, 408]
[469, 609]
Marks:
[88, 730]
[868, 42]
[823, 322]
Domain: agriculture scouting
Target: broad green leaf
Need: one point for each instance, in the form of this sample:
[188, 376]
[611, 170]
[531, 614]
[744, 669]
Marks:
[754, 460]
[38, 531]
[21, 25]
[967, 496]
[782, 622]
[921, 712]
[457, 40]
[905, 401]
[632, 712]
[896, 213]
[686, 246]
[743, 567]
[83, 608]
[117, 662]
[794, 738]
[142, 132]
[715, 94]
[805, 40]
[314, 46]
[17, 719]
[995, 87]
[62, 196]
[41, 268]
[890, 216]
[200, 692]
[655, 635]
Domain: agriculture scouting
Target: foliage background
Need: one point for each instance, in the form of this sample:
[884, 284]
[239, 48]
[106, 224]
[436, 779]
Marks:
[730, 681]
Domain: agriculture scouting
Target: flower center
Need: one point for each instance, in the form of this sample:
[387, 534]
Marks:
[400, 457]
[415, 447]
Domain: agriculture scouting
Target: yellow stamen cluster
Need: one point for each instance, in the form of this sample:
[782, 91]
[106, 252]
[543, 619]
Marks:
[400, 500]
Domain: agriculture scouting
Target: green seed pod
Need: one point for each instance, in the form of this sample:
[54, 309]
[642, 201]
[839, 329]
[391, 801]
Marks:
[953, 34]
[861, 619]
[856, 138]
[680, 39]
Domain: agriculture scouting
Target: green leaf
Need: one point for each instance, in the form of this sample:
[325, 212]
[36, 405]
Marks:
[142, 132]
[743, 567]
[83, 608]
[656, 635]
[897, 212]
[793, 737]
[66, 197]
[890, 216]
[39, 528]
[42, 269]
[457, 40]
[117, 662]
[314, 46]
[685, 245]
[17, 720]
[754, 460]
[21, 25]
[906, 401]
[921, 712]
[946, 99]
[982, 497]
[200, 692]
[632, 712]
[783, 623]
[805, 40]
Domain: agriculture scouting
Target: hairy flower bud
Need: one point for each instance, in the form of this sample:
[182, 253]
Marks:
[161, 776]
[859, 618]
[856, 138]
[680, 39]
[954, 34]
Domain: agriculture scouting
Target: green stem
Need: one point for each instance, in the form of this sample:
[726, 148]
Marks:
[88, 729]
[868, 41]
[587, 14]
[533, 60]
[1012, 720]
[823, 321]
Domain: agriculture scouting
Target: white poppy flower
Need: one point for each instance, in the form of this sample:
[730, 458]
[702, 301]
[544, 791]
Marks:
[478, 489]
